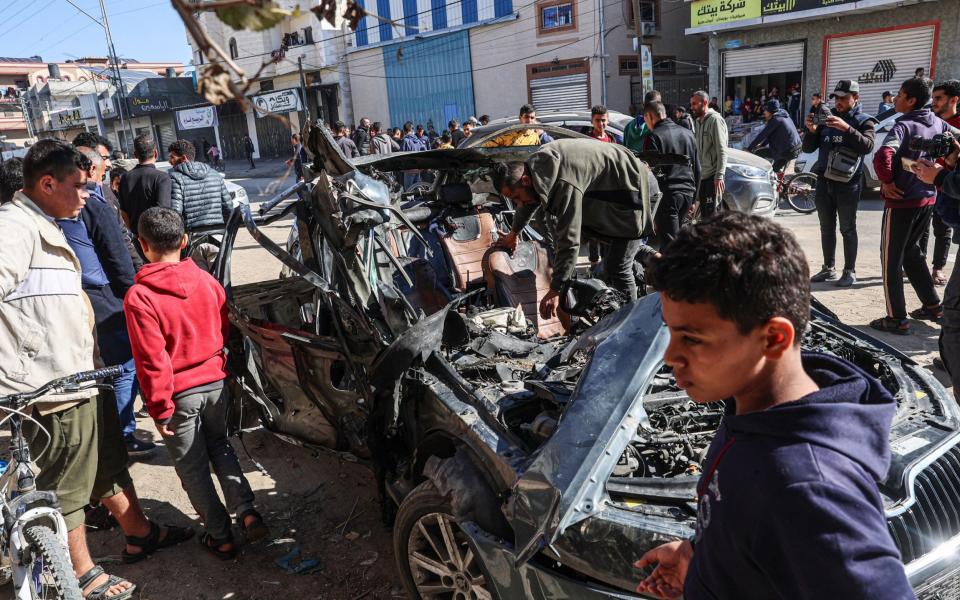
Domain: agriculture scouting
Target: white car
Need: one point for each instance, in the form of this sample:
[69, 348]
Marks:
[885, 121]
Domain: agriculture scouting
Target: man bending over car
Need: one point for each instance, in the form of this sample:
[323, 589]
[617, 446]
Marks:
[788, 505]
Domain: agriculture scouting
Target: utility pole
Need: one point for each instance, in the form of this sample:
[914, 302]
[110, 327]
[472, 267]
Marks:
[121, 92]
[638, 28]
[26, 113]
[603, 55]
[303, 90]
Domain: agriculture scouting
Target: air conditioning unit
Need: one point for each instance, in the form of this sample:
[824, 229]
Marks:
[647, 28]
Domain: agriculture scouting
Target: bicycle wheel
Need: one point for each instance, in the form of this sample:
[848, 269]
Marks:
[50, 575]
[802, 192]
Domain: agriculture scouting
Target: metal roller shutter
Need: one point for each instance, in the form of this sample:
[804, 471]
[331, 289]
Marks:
[168, 134]
[781, 58]
[879, 61]
[563, 93]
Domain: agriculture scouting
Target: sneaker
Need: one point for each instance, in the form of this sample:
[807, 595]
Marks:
[846, 280]
[137, 447]
[825, 274]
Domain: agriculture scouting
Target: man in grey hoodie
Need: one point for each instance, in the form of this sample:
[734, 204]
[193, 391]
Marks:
[200, 195]
[380, 140]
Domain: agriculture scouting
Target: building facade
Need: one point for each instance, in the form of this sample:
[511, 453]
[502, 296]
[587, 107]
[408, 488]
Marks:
[305, 78]
[759, 44]
[431, 61]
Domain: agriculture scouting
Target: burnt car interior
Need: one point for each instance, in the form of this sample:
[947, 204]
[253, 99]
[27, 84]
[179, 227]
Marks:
[405, 341]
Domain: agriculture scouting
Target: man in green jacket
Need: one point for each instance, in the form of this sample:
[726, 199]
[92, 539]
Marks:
[589, 190]
[636, 131]
[711, 136]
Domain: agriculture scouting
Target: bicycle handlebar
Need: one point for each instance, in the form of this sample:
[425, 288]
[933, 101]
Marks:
[63, 382]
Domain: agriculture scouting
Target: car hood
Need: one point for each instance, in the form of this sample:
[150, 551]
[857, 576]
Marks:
[564, 483]
[740, 157]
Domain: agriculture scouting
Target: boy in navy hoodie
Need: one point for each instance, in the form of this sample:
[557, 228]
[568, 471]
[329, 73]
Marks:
[177, 319]
[788, 502]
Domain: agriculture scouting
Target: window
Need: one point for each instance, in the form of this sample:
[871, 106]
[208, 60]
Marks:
[557, 17]
[630, 64]
[308, 35]
[649, 12]
[664, 65]
[266, 85]
[233, 48]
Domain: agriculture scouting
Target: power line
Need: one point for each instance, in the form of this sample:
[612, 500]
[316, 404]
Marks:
[30, 16]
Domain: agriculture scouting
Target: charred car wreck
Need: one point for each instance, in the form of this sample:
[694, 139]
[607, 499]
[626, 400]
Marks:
[522, 458]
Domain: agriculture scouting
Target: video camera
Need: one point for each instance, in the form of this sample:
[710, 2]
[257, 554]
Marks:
[820, 117]
[937, 147]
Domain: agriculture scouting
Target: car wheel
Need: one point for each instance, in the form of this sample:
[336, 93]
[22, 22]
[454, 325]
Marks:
[435, 557]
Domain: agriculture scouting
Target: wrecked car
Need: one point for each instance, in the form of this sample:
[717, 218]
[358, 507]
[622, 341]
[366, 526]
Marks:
[516, 457]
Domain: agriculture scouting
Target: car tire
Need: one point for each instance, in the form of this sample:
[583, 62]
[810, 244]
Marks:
[425, 512]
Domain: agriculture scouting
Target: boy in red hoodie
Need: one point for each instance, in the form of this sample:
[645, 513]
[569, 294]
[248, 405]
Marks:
[177, 318]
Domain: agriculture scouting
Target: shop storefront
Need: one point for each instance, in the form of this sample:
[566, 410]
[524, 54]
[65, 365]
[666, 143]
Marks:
[760, 44]
[274, 111]
[748, 72]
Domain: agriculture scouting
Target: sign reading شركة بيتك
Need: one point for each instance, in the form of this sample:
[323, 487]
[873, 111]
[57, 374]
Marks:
[717, 12]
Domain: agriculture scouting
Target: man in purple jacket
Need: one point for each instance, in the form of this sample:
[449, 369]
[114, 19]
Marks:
[907, 209]
[788, 505]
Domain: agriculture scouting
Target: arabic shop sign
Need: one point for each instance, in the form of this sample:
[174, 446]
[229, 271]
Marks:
[66, 119]
[715, 12]
[277, 102]
[145, 106]
[196, 118]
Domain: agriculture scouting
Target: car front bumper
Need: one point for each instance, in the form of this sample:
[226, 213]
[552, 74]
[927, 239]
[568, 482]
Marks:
[757, 196]
[529, 580]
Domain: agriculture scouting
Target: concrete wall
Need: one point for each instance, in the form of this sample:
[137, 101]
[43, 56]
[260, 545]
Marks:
[948, 50]
[368, 88]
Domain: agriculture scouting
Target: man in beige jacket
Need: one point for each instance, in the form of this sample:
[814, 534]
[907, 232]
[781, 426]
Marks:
[46, 331]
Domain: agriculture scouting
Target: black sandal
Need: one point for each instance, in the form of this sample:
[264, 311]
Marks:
[256, 530]
[924, 313]
[212, 545]
[100, 592]
[891, 325]
[152, 542]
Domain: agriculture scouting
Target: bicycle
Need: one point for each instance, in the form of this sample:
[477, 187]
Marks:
[33, 538]
[798, 189]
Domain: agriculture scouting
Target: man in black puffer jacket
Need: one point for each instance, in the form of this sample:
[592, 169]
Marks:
[200, 195]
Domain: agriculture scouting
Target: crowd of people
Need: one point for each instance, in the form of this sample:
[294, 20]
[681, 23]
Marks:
[101, 268]
[97, 274]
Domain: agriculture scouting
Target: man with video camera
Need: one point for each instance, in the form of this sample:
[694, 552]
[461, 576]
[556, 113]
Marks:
[946, 178]
[908, 205]
[842, 137]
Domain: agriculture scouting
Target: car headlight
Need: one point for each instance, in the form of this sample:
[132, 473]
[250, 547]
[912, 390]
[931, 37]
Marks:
[749, 172]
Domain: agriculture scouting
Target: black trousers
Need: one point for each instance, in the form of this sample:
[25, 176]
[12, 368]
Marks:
[950, 330]
[671, 216]
[900, 251]
[838, 201]
[707, 196]
[941, 241]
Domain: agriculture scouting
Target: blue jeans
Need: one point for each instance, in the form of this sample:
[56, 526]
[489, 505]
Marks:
[115, 348]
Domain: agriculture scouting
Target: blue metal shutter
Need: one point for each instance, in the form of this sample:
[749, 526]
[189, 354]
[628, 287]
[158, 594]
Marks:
[386, 30]
[429, 80]
[502, 7]
[362, 39]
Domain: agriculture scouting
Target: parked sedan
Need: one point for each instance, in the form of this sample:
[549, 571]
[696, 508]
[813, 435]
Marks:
[750, 180]
[517, 458]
